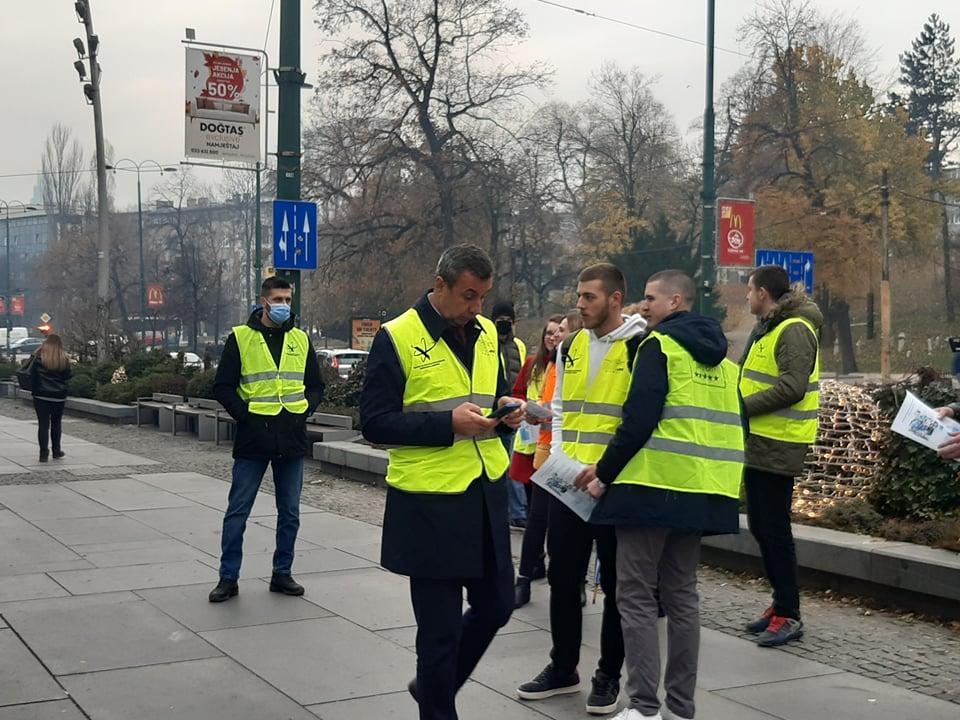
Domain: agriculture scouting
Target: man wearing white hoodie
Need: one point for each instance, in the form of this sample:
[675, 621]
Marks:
[593, 377]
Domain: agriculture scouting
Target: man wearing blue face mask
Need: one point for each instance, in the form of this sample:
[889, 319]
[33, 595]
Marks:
[269, 381]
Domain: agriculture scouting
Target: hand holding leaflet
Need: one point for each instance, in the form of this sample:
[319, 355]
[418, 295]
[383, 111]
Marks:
[557, 476]
[919, 422]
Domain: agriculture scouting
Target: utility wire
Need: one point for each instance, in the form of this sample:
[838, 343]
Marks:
[266, 38]
[819, 211]
[944, 203]
[625, 23]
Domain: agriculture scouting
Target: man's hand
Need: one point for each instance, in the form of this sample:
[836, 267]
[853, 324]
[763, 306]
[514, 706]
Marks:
[950, 450]
[945, 412]
[586, 476]
[596, 488]
[514, 419]
[468, 421]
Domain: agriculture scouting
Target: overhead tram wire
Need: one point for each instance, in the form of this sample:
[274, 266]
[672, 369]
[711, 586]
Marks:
[635, 26]
[820, 211]
[933, 201]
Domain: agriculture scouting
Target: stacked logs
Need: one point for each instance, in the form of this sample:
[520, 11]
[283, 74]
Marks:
[846, 455]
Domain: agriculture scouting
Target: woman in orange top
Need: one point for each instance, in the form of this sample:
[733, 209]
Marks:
[543, 373]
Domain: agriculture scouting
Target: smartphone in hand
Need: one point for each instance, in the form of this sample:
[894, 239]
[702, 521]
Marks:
[502, 412]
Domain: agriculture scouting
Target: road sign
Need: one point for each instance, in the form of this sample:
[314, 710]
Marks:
[45, 318]
[799, 265]
[294, 235]
[735, 232]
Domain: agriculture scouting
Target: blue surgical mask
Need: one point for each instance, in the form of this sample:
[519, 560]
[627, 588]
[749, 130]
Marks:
[279, 313]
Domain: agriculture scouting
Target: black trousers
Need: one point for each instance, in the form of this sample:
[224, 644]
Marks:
[534, 535]
[451, 642]
[769, 497]
[50, 424]
[569, 544]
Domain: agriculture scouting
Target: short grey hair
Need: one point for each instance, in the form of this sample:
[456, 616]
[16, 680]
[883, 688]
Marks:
[459, 259]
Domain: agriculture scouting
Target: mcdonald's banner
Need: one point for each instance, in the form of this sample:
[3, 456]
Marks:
[156, 298]
[735, 232]
[17, 303]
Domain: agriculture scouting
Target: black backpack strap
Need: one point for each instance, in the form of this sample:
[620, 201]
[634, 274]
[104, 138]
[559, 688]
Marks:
[562, 351]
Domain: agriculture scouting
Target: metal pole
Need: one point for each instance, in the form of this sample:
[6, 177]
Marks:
[884, 280]
[8, 299]
[290, 82]
[707, 235]
[258, 239]
[143, 281]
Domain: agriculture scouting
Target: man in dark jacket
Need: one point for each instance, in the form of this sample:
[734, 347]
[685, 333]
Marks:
[780, 388]
[663, 493]
[433, 376]
[269, 381]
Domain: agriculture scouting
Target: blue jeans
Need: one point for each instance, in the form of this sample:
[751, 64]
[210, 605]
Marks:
[516, 495]
[247, 476]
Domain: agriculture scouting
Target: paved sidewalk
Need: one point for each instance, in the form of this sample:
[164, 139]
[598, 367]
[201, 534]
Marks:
[103, 615]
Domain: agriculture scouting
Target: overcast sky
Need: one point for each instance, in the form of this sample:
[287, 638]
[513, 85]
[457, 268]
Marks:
[143, 62]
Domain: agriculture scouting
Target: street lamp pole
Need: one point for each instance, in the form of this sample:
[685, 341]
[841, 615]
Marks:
[8, 299]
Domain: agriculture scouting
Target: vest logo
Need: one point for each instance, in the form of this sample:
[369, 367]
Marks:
[569, 361]
[292, 349]
[706, 375]
[421, 353]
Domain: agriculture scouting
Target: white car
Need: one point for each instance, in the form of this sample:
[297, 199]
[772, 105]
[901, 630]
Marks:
[190, 360]
[342, 360]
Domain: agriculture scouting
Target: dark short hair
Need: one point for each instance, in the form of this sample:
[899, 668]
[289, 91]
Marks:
[273, 283]
[773, 279]
[678, 282]
[503, 308]
[608, 274]
[459, 259]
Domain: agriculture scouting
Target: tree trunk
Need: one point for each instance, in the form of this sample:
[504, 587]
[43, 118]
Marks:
[947, 269]
[827, 334]
[445, 192]
[848, 359]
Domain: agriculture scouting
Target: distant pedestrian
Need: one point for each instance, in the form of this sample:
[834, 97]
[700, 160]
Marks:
[269, 381]
[780, 384]
[49, 374]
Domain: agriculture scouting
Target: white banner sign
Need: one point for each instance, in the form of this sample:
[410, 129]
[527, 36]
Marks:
[223, 106]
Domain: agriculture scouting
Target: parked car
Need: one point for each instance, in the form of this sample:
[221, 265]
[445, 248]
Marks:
[190, 360]
[342, 360]
[25, 347]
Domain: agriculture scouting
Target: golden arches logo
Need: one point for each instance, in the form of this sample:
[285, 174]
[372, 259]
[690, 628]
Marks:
[736, 221]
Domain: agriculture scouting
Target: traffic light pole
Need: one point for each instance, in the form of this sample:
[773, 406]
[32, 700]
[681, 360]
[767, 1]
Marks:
[290, 81]
[708, 233]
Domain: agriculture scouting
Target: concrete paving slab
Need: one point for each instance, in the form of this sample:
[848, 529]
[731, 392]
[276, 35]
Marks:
[255, 605]
[367, 550]
[57, 710]
[318, 560]
[22, 678]
[124, 494]
[102, 632]
[91, 470]
[29, 587]
[151, 552]
[406, 637]
[10, 468]
[27, 549]
[218, 688]
[88, 531]
[843, 696]
[182, 482]
[371, 597]
[335, 659]
[263, 506]
[331, 530]
[48, 502]
[133, 577]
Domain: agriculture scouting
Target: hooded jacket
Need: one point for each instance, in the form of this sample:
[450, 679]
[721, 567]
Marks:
[796, 353]
[639, 505]
[266, 437]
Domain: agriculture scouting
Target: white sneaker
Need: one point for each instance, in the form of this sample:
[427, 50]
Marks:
[631, 714]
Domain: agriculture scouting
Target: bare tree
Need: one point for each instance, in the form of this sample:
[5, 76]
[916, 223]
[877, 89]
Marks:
[63, 166]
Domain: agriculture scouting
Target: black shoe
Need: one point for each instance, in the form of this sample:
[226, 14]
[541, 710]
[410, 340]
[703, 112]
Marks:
[412, 689]
[521, 592]
[604, 695]
[583, 595]
[57, 454]
[285, 584]
[539, 571]
[518, 524]
[224, 590]
[44, 457]
[548, 683]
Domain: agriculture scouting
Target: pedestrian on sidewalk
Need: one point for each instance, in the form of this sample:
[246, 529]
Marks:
[49, 374]
[593, 375]
[269, 381]
[530, 385]
[780, 384]
[434, 375]
[670, 474]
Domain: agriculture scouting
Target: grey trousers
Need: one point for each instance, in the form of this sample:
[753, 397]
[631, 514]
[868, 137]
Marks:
[648, 559]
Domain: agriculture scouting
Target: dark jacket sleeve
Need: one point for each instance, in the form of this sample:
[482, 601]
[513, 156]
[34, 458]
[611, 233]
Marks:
[796, 354]
[34, 372]
[641, 412]
[227, 381]
[313, 382]
[382, 419]
[523, 380]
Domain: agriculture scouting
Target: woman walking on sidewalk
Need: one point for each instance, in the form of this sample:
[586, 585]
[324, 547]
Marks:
[49, 374]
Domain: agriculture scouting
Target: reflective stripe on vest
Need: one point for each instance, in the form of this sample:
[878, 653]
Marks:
[436, 381]
[698, 444]
[797, 423]
[591, 415]
[266, 388]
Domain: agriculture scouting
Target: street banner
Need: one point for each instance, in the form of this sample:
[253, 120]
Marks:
[17, 304]
[222, 106]
[156, 298]
[735, 232]
[363, 332]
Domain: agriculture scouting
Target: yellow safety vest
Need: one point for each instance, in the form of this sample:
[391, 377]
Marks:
[521, 349]
[797, 423]
[266, 388]
[436, 380]
[592, 414]
[534, 386]
[698, 444]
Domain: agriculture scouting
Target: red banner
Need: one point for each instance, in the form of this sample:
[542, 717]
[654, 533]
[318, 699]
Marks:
[3, 306]
[156, 298]
[735, 232]
[16, 305]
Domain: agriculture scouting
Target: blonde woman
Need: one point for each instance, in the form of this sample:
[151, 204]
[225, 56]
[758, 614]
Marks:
[49, 374]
